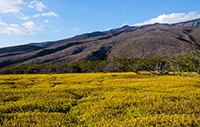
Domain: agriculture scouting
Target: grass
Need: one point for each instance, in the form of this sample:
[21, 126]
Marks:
[99, 99]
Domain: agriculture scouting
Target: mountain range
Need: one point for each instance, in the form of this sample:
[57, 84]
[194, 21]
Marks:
[148, 41]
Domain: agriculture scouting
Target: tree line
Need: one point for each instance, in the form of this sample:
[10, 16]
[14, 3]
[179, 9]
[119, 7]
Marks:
[165, 65]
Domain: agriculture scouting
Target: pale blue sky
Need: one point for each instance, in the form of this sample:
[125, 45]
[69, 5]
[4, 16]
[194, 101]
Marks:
[26, 21]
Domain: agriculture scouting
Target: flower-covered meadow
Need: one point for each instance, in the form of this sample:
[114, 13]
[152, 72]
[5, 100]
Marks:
[99, 99]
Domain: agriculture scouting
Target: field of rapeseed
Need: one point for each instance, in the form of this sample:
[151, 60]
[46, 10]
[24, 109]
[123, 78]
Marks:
[99, 99]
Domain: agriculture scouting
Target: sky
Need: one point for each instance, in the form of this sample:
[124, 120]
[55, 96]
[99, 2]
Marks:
[28, 21]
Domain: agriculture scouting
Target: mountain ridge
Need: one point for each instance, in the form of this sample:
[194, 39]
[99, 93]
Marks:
[191, 23]
[149, 41]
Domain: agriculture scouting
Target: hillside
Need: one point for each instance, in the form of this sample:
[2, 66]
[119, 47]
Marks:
[148, 41]
[193, 23]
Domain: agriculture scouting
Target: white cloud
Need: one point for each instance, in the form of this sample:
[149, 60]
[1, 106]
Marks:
[25, 17]
[13, 29]
[53, 14]
[171, 18]
[13, 6]
[46, 21]
[30, 6]
[17, 7]
[50, 14]
[109, 29]
[26, 28]
[36, 16]
[14, 25]
[31, 25]
[75, 29]
[56, 31]
[38, 5]
[123, 24]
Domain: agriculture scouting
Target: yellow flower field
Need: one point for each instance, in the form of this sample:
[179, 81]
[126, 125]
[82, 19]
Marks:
[99, 99]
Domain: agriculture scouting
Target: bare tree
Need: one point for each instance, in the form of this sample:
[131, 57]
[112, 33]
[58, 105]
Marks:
[196, 57]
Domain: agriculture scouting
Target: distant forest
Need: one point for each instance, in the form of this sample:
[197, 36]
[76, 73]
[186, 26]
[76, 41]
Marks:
[164, 65]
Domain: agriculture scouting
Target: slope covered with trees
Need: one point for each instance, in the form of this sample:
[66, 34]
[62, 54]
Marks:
[159, 66]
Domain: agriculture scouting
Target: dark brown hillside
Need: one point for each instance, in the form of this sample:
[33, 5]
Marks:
[154, 41]
[67, 51]
[82, 36]
[16, 50]
[192, 23]
[76, 38]
[148, 41]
